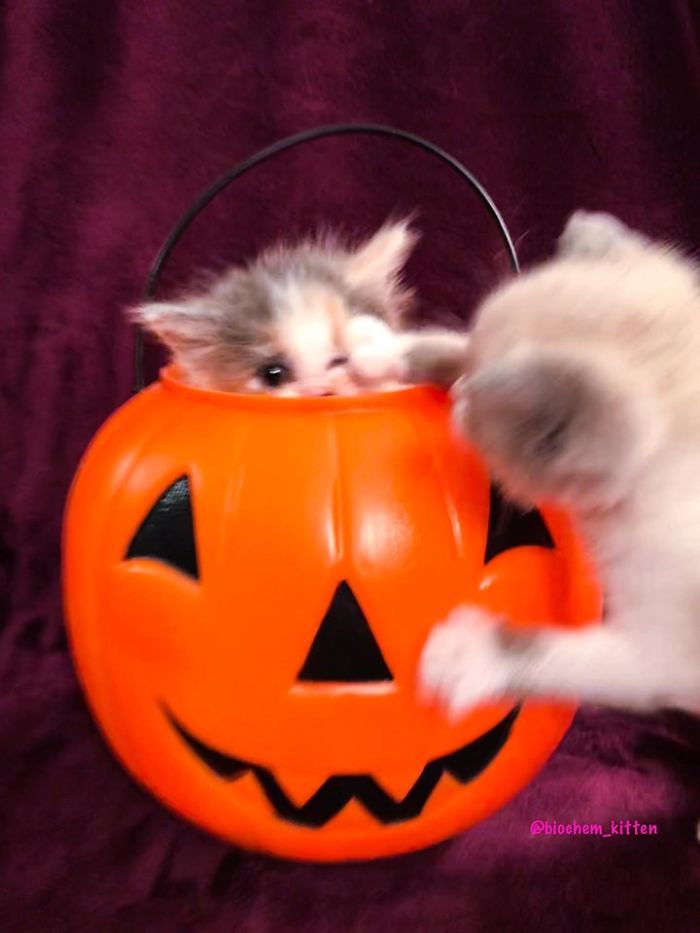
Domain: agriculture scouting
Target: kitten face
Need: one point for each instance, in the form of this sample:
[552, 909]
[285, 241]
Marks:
[284, 323]
[579, 370]
[558, 425]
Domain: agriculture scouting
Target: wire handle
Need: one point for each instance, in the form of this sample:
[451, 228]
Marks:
[282, 145]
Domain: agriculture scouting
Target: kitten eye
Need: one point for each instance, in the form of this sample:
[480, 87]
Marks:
[275, 373]
[338, 361]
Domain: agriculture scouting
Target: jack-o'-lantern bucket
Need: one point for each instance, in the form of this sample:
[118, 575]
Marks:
[249, 582]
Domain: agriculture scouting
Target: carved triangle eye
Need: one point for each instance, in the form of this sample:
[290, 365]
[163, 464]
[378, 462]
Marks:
[344, 649]
[511, 527]
[167, 532]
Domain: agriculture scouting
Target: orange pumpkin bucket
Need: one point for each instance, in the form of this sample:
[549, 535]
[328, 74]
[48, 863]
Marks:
[249, 582]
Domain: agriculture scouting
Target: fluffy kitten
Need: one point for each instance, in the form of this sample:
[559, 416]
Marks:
[582, 387]
[312, 319]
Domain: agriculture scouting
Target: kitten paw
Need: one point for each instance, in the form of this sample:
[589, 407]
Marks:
[465, 661]
[374, 350]
[373, 364]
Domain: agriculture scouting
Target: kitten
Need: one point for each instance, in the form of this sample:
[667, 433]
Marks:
[582, 387]
[313, 319]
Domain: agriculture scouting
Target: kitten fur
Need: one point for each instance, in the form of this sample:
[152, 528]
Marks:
[582, 387]
[318, 318]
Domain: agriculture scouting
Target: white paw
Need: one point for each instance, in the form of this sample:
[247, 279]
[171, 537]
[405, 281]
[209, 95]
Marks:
[464, 662]
[373, 348]
[376, 363]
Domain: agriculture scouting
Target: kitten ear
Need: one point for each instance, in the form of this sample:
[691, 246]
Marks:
[181, 326]
[378, 262]
[590, 235]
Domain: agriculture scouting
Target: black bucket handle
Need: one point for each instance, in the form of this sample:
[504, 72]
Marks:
[282, 145]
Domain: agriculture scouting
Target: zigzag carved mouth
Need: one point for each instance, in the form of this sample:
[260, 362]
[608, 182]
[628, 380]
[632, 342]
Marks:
[336, 792]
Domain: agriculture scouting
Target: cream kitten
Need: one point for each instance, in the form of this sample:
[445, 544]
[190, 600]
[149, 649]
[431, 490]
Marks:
[582, 387]
[312, 319]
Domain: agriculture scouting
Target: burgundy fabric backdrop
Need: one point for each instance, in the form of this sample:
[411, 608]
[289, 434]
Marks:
[113, 115]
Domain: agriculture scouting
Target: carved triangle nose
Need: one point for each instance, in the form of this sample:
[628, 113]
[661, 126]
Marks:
[344, 649]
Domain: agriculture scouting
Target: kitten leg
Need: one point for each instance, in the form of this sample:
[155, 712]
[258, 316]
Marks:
[474, 657]
[435, 356]
[378, 354]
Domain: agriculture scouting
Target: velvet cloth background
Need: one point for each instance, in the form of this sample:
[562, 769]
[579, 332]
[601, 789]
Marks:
[113, 115]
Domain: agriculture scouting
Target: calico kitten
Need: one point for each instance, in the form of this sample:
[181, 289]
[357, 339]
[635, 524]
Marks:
[582, 387]
[318, 319]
